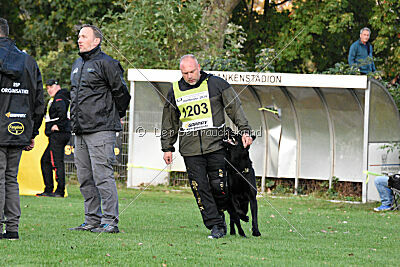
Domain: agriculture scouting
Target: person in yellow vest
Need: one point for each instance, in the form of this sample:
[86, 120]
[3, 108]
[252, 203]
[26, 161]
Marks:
[58, 129]
[194, 111]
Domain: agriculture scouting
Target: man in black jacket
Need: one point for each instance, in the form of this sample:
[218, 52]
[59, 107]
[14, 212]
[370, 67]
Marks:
[21, 114]
[99, 98]
[58, 129]
[195, 110]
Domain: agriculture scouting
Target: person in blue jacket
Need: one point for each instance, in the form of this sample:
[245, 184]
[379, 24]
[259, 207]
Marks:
[360, 54]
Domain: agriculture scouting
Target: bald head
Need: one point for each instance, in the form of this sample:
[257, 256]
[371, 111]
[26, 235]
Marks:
[190, 69]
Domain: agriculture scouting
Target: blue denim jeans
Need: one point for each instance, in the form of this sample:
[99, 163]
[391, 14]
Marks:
[385, 193]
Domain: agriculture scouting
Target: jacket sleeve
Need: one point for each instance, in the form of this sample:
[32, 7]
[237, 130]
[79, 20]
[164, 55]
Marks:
[61, 109]
[38, 104]
[114, 76]
[170, 124]
[352, 55]
[234, 110]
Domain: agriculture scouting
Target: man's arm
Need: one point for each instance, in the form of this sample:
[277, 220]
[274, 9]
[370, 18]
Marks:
[61, 109]
[169, 128]
[352, 55]
[38, 104]
[114, 75]
[234, 110]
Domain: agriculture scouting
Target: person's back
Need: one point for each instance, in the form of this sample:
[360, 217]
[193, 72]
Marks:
[22, 103]
[21, 87]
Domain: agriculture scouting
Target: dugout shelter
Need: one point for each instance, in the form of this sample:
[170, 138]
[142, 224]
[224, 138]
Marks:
[308, 126]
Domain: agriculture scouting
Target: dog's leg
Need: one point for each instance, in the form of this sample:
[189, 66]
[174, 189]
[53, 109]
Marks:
[235, 220]
[254, 217]
[253, 205]
[231, 226]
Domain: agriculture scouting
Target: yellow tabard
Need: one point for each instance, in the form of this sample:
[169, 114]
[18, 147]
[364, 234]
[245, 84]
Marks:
[195, 108]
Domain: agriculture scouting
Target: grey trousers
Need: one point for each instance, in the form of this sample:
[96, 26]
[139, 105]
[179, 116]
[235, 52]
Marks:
[10, 210]
[94, 156]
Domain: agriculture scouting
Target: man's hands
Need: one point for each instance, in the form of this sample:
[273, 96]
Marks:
[168, 157]
[30, 147]
[247, 140]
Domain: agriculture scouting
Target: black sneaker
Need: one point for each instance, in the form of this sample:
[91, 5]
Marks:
[58, 195]
[106, 228]
[84, 227]
[45, 194]
[11, 235]
[217, 232]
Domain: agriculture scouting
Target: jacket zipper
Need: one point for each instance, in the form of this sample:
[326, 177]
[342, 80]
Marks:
[77, 94]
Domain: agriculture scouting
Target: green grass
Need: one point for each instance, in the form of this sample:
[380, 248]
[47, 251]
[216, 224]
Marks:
[165, 228]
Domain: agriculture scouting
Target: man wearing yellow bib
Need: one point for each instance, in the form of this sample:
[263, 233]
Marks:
[194, 111]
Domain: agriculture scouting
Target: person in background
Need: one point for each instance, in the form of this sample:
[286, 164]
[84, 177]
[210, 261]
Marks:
[360, 54]
[385, 193]
[58, 130]
[21, 114]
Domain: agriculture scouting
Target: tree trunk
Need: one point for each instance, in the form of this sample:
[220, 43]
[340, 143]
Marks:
[216, 14]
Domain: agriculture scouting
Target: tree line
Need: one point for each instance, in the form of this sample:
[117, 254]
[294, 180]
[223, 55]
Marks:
[302, 37]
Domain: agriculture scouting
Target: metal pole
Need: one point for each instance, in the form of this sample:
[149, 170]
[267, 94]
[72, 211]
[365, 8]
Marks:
[131, 134]
[365, 142]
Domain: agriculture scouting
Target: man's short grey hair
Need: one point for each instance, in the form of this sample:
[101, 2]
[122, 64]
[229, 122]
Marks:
[97, 32]
[188, 56]
[4, 29]
[365, 29]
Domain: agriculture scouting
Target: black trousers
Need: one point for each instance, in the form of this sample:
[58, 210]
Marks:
[53, 159]
[208, 181]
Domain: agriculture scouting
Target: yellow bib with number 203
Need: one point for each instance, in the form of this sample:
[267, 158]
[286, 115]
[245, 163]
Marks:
[195, 108]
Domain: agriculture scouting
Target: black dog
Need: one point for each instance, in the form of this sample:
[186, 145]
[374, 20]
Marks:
[241, 183]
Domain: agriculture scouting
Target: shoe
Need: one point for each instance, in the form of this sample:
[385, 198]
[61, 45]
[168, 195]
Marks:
[383, 208]
[106, 228]
[11, 235]
[58, 195]
[45, 194]
[217, 232]
[84, 227]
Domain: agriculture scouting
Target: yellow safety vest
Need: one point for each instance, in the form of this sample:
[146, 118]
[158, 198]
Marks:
[194, 105]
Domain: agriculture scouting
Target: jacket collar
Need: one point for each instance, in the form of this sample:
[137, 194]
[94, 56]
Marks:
[6, 40]
[90, 54]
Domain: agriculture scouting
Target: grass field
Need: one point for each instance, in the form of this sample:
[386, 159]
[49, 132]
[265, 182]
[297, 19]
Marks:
[164, 228]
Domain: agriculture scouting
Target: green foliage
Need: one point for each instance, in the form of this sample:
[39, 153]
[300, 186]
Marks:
[47, 30]
[342, 68]
[265, 60]
[327, 28]
[386, 20]
[154, 33]
[263, 32]
[230, 58]
[49, 22]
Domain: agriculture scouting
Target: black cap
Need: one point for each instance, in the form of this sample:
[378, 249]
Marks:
[51, 82]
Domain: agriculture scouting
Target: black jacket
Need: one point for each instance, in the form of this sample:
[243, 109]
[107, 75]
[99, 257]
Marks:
[58, 113]
[99, 95]
[222, 98]
[21, 96]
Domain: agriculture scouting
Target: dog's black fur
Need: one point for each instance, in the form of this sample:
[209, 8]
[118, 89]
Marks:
[242, 192]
